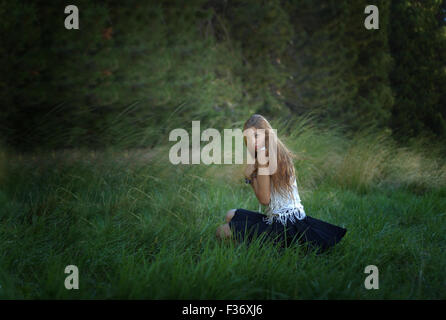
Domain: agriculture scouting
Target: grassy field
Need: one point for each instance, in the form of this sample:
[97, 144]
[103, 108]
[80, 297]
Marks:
[137, 226]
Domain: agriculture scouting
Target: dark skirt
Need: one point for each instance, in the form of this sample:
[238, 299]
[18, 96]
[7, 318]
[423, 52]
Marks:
[315, 233]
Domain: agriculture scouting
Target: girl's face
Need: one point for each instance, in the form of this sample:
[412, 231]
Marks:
[258, 137]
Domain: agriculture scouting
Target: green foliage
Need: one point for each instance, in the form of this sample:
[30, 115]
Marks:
[418, 43]
[124, 79]
[340, 69]
[135, 71]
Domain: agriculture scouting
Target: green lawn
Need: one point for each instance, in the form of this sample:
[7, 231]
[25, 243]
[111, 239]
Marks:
[138, 227]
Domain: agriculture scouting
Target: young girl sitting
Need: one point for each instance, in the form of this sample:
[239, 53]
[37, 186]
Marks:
[285, 220]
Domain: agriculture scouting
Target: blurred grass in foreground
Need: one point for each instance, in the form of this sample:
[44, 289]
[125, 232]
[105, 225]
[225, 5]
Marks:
[140, 227]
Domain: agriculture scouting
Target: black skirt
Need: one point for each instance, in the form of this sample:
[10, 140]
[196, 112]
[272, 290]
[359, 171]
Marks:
[317, 234]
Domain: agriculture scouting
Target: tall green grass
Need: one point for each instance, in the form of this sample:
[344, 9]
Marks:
[140, 227]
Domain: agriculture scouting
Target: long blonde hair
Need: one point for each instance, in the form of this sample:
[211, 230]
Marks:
[282, 179]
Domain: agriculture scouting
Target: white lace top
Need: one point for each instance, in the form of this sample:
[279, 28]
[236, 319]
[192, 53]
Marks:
[282, 208]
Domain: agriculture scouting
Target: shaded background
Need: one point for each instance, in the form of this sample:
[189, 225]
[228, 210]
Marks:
[137, 69]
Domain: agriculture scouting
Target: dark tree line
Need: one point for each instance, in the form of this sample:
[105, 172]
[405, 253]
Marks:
[136, 69]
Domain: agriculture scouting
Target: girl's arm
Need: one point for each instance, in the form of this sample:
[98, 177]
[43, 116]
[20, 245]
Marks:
[261, 186]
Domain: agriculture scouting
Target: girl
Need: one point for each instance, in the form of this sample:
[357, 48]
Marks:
[285, 220]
